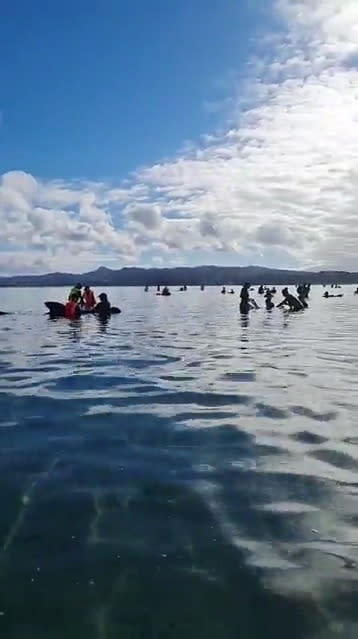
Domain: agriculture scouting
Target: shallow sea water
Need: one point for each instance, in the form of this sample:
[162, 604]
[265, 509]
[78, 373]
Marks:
[179, 471]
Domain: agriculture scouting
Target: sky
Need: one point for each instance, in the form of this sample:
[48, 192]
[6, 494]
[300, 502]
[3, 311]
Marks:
[173, 132]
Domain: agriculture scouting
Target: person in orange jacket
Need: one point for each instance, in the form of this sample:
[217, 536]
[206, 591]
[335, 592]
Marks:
[72, 309]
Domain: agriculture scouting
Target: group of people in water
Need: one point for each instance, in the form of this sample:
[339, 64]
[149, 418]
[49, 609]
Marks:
[293, 303]
[85, 300]
[247, 302]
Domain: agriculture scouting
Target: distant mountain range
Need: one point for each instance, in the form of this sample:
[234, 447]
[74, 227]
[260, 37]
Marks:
[192, 276]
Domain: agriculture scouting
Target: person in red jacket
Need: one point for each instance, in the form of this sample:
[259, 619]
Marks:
[89, 299]
[72, 309]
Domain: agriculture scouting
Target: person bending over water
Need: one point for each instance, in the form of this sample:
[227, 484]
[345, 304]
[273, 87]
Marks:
[245, 298]
[291, 301]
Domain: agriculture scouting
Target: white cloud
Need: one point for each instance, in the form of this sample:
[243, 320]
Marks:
[144, 215]
[286, 174]
[32, 219]
[279, 182]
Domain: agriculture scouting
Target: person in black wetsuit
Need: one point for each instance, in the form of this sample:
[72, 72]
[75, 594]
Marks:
[103, 308]
[291, 301]
[268, 301]
[302, 293]
[245, 298]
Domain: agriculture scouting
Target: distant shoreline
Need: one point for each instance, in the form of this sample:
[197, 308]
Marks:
[178, 276]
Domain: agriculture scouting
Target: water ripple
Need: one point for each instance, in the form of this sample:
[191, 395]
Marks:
[156, 465]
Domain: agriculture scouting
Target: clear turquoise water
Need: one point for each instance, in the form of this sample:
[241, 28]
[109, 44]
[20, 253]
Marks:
[178, 471]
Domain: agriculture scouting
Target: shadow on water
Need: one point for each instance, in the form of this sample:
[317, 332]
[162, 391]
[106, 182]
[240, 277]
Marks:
[109, 529]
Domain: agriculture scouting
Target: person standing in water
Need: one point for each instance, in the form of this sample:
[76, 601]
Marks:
[302, 294]
[268, 301]
[89, 299]
[76, 294]
[245, 298]
[72, 309]
[103, 308]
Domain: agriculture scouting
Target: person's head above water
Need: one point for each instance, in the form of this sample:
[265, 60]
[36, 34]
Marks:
[103, 297]
[79, 286]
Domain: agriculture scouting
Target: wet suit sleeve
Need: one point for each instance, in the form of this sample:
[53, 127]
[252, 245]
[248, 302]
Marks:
[281, 304]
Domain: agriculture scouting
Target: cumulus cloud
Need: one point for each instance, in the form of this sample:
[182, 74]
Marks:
[278, 182]
[285, 173]
[144, 215]
[62, 223]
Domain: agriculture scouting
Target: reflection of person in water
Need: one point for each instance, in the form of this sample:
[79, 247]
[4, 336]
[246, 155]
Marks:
[245, 298]
[291, 301]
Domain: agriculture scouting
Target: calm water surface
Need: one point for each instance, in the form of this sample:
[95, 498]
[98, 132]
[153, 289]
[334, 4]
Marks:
[179, 471]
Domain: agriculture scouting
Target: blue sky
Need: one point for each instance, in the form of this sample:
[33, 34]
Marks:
[178, 132]
[94, 89]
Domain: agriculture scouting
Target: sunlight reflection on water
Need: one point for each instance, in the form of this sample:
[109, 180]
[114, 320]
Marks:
[179, 469]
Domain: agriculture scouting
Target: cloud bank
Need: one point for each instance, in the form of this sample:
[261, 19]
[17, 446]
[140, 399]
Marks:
[277, 184]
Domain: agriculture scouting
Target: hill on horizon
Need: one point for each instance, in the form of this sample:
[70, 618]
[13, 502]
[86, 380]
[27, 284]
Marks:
[192, 276]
